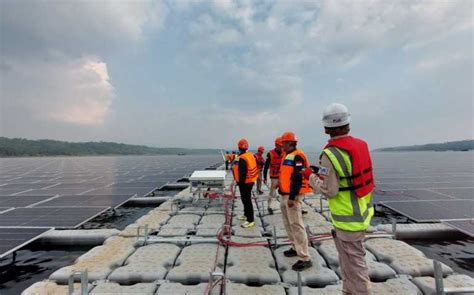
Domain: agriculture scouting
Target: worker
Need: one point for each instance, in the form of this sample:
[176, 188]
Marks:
[245, 174]
[227, 160]
[293, 186]
[345, 178]
[273, 162]
[232, 158]
[260, 163]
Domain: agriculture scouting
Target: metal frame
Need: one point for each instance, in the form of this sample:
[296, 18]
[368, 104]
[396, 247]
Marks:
[84, 282]
[439, 283]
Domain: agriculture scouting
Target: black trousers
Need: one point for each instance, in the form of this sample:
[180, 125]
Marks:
[246, 196]
[226, 165]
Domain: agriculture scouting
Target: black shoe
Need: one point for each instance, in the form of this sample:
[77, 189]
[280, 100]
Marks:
[303, 212]
[260, 192]
[290, 253]
[301, 265]
[270, 211]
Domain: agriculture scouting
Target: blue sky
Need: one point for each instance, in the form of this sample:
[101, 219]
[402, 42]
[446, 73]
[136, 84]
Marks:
[206, 73]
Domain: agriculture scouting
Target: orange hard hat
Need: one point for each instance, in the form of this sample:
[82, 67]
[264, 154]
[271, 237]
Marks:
[278, 140]
[261, 149]
[243, 144]
[288, 136]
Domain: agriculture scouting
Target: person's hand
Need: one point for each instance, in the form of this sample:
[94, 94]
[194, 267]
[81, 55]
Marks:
[291, 203]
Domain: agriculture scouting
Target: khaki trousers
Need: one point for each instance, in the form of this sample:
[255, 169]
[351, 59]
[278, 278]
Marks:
[354, 270]
[294, 225]
[273, 191]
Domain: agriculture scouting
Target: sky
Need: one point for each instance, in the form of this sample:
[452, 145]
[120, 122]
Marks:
[203, 74]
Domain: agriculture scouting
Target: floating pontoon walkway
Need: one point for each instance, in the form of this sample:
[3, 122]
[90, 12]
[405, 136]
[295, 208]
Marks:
[189, 246]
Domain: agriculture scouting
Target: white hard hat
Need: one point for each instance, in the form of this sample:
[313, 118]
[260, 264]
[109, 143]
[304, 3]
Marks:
[336, 115]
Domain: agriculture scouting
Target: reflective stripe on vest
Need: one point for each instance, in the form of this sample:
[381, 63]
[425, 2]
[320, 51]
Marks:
[252, 170]
[355, 220]
[287, 170]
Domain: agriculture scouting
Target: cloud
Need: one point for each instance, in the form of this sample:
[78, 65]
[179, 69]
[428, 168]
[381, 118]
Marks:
[76, 92]
[52, 56]
[266, 48]
[76, 27]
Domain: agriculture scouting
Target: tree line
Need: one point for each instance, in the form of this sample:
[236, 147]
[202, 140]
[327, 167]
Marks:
[20, 147]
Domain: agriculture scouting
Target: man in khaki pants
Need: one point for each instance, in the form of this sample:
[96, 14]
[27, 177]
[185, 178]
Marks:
[345, 179]
[293, 186]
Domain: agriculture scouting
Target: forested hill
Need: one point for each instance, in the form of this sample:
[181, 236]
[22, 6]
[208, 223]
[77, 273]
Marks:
[19, 147]
[463, 145]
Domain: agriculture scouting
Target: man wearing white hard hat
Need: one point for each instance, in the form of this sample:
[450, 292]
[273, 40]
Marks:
[345, 178]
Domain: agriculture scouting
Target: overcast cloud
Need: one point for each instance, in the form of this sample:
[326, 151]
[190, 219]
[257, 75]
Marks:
[205, 73]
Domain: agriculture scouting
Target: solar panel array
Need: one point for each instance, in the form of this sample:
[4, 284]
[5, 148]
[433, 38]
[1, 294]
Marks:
[14, 238]
[68, 191]
[426, 186]
[57, 217]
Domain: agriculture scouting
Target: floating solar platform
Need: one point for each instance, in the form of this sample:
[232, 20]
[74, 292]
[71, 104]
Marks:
[58, 217]
[463, 225]
[13, 238]
[112, 201]
[22, 201]
[432, 211]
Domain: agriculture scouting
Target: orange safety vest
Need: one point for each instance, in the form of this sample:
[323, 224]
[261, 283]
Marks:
[275, 163]
[286, 172]
[260, 160]
[252, 170]
[231, 157]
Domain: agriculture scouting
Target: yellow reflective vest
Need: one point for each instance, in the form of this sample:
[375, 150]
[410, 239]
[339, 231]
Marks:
[348, 211]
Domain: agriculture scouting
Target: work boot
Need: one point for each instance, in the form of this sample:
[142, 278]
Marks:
[242, 218]
[301, 265]
[270, 211]
[260, 192]
[290, 253]
[248, 224]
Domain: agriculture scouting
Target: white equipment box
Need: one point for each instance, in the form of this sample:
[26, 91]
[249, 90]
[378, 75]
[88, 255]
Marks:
[205, 180]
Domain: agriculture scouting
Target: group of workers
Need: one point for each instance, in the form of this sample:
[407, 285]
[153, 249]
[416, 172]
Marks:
[344, 177]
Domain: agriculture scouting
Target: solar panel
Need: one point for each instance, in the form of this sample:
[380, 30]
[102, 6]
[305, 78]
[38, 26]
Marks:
[112, 201]
[81, 185]
[139, 191]
[407, 195]
[464, 225]
[22, 201]
[58, 217]
[25, 186]
[3, 209]
[460, 193]
[13, 238]
[6, 192]
[55, 191]
[429, 211]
